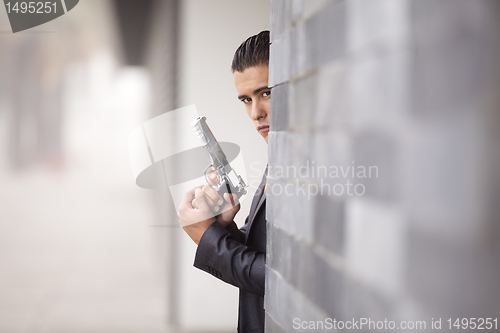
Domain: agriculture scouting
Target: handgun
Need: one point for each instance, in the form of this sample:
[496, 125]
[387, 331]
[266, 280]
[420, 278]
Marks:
[229, 180]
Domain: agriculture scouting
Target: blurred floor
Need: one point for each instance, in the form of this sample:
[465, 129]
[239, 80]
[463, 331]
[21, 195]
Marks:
[77, 253]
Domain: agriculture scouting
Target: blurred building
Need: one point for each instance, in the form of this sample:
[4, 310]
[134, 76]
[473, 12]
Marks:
[83, 248]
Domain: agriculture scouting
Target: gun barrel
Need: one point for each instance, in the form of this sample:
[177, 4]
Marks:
[217, 156]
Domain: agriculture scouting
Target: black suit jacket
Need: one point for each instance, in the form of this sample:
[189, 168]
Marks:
[238, 256]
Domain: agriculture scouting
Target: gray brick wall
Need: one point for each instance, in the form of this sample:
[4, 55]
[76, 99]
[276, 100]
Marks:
[411, 88]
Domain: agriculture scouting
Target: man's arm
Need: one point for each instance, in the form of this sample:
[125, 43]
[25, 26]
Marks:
[237, 234]
[221, 251]
[224, 257]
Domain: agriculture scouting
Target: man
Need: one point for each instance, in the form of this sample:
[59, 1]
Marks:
[237, 256]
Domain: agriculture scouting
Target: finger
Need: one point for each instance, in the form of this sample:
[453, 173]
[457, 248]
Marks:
[213, 205]
[201, 200]
[186, 202]
[232, 203]
[188, 196]
[212, 194]
[232, 198]
[194, 203]
[212, 177]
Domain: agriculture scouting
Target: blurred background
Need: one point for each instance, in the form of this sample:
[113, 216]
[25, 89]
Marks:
[82, 248]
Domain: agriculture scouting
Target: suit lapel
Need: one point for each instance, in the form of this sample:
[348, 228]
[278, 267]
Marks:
[257, 200]
[261, 202]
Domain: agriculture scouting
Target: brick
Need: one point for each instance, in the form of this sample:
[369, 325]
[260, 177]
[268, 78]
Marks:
[442, 187]
[302, 103]
[450, 276]
[327, 288]
[299, 306]
[290, 195]
[277, 200]
[269, 238]
[448, 79]
[277, 206]
[278, 151]
[280, 257]
[430, 265]
[332, 102]
[297, 9]
[303, 9]
[379, 92]
[455, 45]
[375, 152]
[375, 240]
[276, 298]
[359, 301]
[301, 153]
[301, 223]
[331, 151]
[321, 40]
[272, 297]
[281, 20]
[279, 108]
[303, 267]
[435, 22]
[293, 304]
[279, 60]
[327, 31]
[299, 62]
[329, 223]
[377, 26]
[272, 326]
[308, 266]
[325, 35]
[297, 263]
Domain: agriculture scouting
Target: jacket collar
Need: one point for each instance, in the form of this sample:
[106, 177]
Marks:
[259, 198]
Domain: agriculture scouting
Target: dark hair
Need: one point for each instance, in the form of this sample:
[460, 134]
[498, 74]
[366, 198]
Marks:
[252, 52]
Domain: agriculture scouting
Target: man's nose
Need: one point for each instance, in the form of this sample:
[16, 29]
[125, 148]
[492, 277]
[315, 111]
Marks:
[258, 111]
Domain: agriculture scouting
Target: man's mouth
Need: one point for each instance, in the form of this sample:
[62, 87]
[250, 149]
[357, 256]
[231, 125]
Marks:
[263, 128]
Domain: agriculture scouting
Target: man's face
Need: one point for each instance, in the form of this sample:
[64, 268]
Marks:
[251, 85]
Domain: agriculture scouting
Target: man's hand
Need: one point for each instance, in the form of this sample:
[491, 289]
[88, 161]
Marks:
[194, 214]
[227, 208]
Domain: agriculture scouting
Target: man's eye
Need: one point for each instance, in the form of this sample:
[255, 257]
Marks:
[266, 93]
[246, 100]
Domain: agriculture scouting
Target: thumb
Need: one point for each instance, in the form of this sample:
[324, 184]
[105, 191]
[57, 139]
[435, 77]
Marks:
[213, 177]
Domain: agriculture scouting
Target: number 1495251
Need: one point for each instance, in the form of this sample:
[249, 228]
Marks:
[31, 7]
